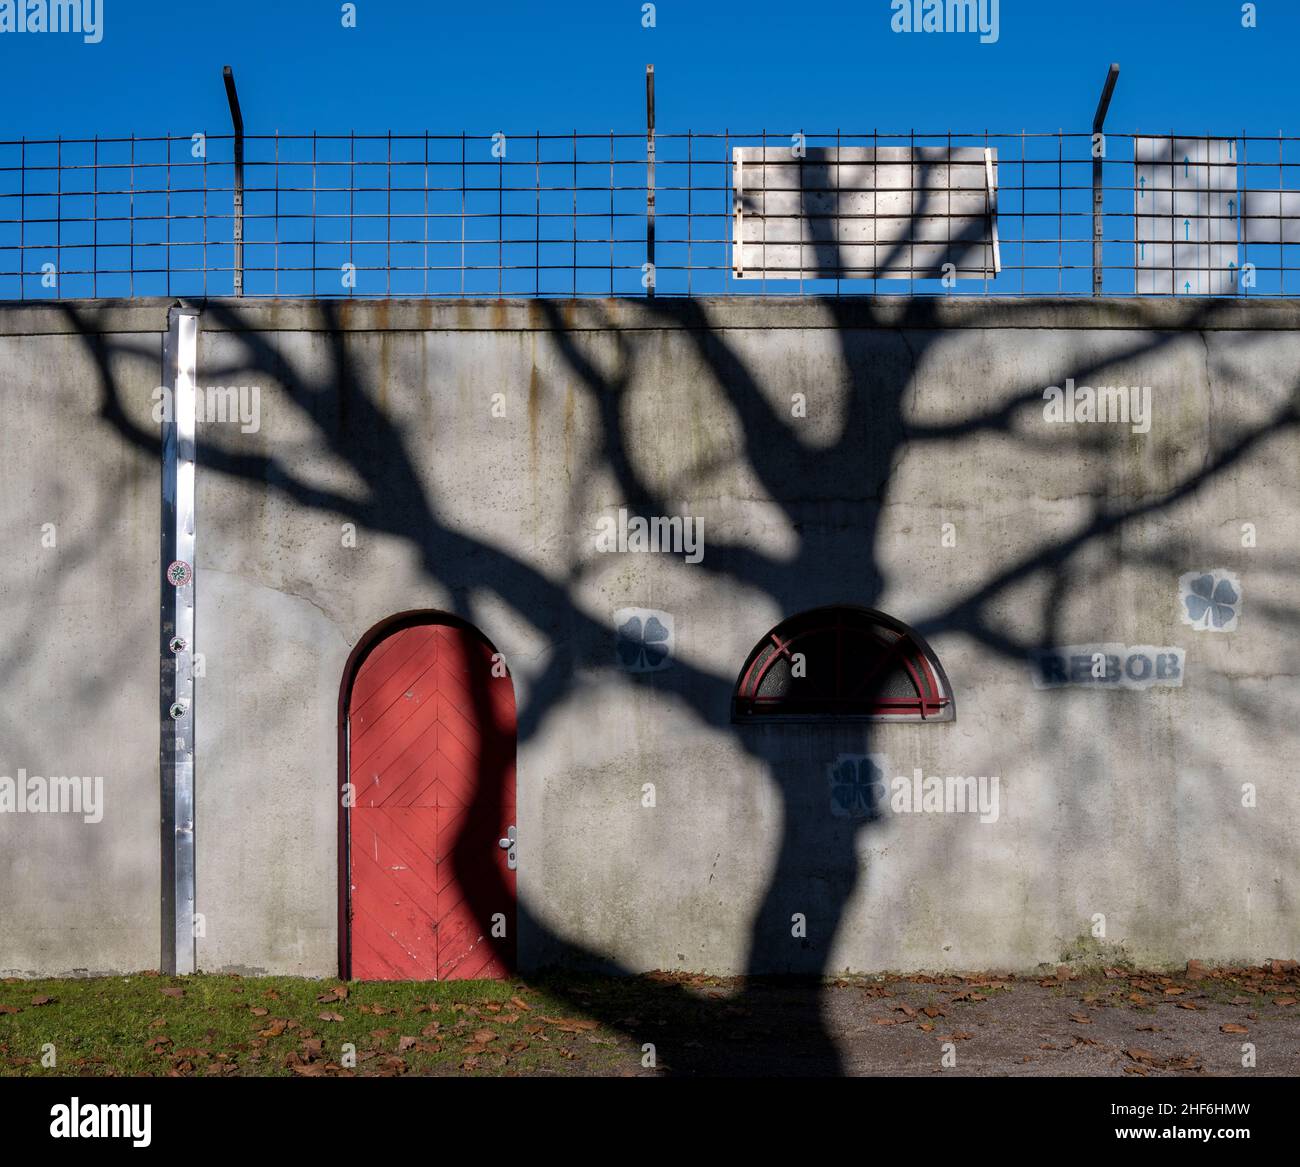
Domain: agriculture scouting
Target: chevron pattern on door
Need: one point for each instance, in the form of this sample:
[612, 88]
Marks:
[431, 758]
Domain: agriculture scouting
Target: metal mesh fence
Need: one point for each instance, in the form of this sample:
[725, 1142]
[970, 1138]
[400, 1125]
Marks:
[565, 215]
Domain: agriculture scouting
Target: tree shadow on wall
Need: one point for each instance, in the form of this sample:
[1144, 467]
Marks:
[880, 348]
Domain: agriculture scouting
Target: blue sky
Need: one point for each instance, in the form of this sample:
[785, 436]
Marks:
[415, 65]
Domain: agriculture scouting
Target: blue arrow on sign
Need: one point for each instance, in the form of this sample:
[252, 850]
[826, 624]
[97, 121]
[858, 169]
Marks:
[1185, 160]
[1186, 228]
[1187, 285]
[1142, 182]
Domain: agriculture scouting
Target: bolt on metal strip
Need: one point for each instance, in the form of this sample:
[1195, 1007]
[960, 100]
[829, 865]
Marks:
[176, 626]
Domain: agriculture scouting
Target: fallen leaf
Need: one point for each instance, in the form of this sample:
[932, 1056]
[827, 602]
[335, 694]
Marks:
[520, 1004]
[483, 1036]
[259, 1010]
[1232, 1027]
[1284, 1000]
[43, 1000]
[405, 1043]
[10, 1009]
[172, 992]
[329, 1016]
[1081, 1018]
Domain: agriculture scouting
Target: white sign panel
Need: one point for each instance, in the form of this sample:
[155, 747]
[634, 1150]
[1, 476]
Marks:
[887, 212]
[1271, 216]
[1185, 206]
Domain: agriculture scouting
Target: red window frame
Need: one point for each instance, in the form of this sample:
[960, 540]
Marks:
[869, 646]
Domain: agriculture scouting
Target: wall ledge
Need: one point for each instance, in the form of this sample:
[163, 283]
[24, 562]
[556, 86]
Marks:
[257, 314]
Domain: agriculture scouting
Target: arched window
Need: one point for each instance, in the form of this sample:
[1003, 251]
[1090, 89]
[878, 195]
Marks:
[842, 662]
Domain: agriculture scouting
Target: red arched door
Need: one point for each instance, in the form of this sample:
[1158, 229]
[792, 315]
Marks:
[430, 741]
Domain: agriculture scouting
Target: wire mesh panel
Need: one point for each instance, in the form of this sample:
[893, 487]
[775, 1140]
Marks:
[565, 215]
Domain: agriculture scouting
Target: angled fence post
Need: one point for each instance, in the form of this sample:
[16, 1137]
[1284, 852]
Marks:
[650, 176]
[1098, 218]
[237, 232]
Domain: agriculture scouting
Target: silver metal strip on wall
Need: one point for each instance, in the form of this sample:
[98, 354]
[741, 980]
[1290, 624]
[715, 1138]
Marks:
[180, 359]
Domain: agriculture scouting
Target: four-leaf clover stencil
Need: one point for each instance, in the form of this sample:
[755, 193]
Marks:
[1210, 601]
[858, 785]
[645, 639]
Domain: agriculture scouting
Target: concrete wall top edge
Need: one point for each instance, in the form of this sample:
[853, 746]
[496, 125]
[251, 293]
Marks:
[18, 318]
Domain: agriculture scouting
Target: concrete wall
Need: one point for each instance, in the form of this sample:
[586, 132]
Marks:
[1121, 803]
